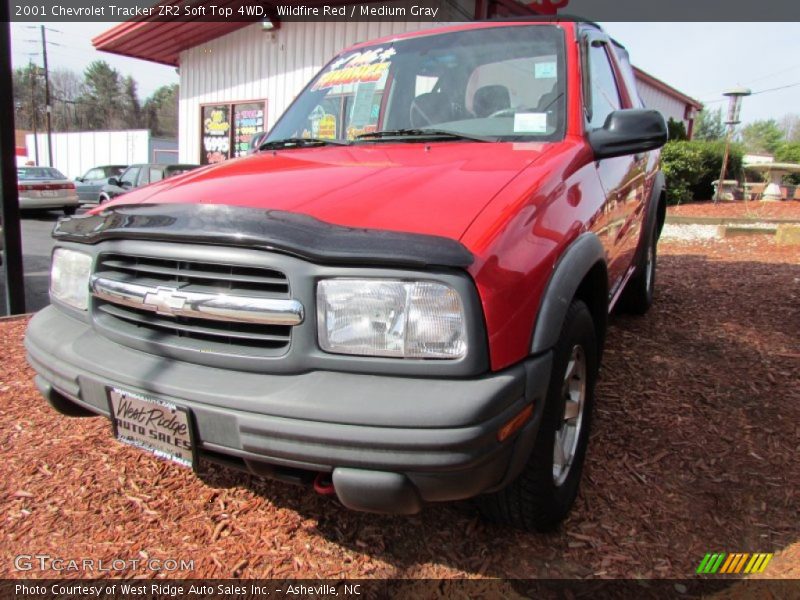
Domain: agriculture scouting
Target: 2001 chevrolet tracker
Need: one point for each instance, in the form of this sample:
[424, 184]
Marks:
[401, 296]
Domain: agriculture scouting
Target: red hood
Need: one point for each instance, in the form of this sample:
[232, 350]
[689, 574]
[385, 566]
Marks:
[436, 188]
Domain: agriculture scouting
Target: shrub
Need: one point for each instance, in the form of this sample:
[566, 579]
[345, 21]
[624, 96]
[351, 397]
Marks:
[681, 163]
[690, 167]
[789, 152]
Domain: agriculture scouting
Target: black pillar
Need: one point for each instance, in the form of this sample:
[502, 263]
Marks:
[9, 197]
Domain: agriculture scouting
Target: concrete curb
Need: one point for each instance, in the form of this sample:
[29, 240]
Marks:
[689, 220]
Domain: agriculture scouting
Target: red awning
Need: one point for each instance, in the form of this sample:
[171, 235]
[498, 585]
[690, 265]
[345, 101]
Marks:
[162, 41]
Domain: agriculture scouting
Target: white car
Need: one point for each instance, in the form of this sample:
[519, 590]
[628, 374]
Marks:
[44, 188]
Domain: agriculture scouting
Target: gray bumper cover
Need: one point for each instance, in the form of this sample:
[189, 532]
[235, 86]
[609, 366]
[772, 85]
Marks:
[389, 441]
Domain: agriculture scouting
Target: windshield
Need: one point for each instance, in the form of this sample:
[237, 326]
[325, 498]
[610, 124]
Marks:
[501, 83]
[39, 173]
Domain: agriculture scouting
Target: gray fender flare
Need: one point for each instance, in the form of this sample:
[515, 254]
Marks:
[580, 257]
[650, 224]
[652, 206]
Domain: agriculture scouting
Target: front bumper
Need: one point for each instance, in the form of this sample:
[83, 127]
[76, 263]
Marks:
[389, 442]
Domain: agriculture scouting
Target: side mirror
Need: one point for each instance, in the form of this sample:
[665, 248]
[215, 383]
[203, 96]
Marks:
[79, 179]
[629, 131]
[113, 181]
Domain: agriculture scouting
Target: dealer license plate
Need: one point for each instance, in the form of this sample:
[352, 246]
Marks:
[152, 425]
[49, 193]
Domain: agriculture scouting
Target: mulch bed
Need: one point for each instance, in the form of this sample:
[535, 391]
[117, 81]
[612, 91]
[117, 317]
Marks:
[789, 209]
[694, 449]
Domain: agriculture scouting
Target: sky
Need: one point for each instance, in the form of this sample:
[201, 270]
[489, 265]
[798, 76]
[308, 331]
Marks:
[75, 52]
[700, 59]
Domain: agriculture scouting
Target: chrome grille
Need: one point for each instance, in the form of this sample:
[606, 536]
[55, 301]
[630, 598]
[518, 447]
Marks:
[203, 325]
[193, 275]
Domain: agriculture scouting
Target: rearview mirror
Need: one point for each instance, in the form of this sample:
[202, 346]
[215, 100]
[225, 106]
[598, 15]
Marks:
[629, 131]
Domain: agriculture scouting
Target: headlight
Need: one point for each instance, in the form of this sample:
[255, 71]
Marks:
[69, 277]
[386, 317]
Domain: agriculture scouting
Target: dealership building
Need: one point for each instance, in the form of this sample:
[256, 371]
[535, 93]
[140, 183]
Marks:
[237, 78]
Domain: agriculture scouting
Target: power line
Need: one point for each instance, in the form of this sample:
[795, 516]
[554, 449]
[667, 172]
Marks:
[775, 89]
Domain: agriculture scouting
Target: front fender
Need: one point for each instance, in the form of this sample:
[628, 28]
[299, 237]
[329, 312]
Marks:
[577, 261]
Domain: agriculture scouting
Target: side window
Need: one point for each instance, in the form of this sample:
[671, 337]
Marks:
[603, 93]
[156, 174]
[144, 177]
[129, 176]
[629, 77]
[94, 175]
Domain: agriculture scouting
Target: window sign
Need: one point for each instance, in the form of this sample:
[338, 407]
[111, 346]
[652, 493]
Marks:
[226, 129]
[248, 119]
[216, 134]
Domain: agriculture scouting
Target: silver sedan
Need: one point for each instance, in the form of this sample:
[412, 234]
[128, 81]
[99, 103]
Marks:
[45, 188]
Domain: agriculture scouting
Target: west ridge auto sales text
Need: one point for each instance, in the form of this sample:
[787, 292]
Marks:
[173, 590]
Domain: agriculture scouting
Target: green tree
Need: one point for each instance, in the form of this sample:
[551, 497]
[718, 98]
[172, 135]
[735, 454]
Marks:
[131, 107]
[161, 111]
[28, 84]
[676, 129]
[762, 136]
[709, 126]
[103, 95]
[789, 152]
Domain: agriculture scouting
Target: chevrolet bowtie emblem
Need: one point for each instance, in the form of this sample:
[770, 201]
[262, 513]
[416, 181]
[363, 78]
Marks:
[166, 301]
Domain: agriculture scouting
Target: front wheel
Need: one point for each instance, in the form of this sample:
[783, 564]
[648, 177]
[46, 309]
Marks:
[544, 492]
[637, 297]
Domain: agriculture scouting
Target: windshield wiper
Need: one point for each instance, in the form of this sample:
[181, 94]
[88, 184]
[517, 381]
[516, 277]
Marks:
[423, 134]
[299, 142]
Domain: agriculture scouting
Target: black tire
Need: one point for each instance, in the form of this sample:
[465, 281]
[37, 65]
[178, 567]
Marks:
[70, 210]
[102, 199]
[637, 297]
[536, 500]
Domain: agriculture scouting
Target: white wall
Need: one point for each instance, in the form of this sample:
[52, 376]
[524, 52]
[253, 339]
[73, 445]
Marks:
[76, 152]
[251, 64]
[667, 105]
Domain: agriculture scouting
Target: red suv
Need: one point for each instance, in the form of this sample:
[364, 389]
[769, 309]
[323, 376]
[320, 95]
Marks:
[400, 297]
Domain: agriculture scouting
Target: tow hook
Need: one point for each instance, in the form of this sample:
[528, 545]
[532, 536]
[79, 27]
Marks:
[323, 484]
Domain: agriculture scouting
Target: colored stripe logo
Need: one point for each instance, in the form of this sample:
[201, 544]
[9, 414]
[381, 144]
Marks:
[735, 563]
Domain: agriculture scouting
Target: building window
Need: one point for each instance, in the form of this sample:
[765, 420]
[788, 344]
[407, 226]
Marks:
[226, 129]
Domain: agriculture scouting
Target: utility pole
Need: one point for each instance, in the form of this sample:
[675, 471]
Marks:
[48, 107]
[32, 80]
[9, 194]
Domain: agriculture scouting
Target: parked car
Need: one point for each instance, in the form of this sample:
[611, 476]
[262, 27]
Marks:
[90, 183]
[402, 301]
[139, 175]
[46, 188]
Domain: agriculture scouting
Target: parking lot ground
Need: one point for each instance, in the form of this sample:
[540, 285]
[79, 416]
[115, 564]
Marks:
[694, 450]
[37, 245]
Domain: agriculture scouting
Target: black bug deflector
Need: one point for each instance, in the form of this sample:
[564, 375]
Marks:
[280, 231]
